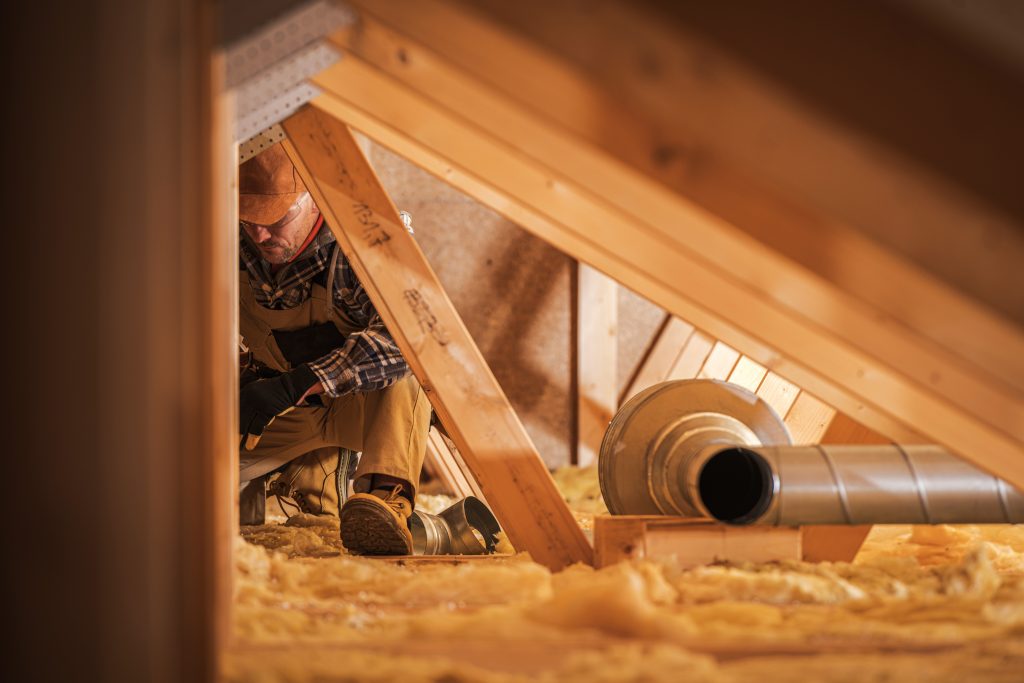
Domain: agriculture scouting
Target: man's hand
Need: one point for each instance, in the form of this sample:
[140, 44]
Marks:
[263, 400]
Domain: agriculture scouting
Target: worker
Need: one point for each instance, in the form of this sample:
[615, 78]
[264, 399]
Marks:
[329, 376]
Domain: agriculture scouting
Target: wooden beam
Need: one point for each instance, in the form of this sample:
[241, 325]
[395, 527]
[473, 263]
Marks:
[596, 360]
[434, 341]
[447, 465]
[980, 420]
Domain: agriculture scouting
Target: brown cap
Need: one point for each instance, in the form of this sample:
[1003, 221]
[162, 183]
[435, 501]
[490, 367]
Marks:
[268, 185]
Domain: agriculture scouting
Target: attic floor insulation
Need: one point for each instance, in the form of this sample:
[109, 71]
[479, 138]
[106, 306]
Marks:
[918, 604]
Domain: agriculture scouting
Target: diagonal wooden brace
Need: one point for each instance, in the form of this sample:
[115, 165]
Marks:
[434, 340]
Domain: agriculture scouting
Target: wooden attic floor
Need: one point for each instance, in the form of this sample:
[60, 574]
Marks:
[925, 603]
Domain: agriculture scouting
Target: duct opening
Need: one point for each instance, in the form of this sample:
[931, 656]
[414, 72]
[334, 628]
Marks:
[735, 486]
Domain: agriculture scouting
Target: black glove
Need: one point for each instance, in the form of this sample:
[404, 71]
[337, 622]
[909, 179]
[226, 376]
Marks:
[263, 400]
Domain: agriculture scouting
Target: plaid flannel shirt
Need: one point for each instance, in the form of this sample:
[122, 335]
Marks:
[370, 359]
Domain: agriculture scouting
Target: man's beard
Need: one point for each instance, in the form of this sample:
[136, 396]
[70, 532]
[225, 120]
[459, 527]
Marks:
[283, 256]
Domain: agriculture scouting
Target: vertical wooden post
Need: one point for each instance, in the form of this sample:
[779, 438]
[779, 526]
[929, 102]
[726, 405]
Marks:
[596, 360]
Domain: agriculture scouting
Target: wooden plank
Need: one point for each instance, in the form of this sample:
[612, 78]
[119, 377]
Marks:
[596, 360]
[719, 363]
[689, 542]
[748, 374]
[808, 419]
[778, 393]
[983, 418]
[661, 356]
[434, 340]
[691, 358]
[445, 464]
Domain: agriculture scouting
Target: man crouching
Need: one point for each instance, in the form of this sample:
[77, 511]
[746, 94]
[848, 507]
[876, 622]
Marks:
[332, 375]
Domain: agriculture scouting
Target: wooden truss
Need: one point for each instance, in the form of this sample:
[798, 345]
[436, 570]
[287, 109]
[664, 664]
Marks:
[718, 246]
[717, 243]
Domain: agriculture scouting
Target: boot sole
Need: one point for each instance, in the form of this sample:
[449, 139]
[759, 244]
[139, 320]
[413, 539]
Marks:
[367, 530]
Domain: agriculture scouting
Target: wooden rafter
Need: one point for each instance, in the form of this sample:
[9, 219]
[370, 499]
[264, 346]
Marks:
[910, 379]
[434, 341]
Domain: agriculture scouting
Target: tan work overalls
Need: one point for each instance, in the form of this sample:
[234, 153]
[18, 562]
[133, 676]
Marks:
[389, 426]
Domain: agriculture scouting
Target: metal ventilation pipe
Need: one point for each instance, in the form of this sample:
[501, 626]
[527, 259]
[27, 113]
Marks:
[699, 448]
[466, 528]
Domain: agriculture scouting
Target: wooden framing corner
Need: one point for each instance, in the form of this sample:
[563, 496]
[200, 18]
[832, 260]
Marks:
[434, 341]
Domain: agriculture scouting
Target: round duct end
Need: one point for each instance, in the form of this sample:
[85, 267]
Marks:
[736, 485]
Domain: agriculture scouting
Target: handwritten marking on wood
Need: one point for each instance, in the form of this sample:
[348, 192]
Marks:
[427, 320]
[370, 228]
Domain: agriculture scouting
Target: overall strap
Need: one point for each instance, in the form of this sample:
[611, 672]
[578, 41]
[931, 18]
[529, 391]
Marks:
[332, 269]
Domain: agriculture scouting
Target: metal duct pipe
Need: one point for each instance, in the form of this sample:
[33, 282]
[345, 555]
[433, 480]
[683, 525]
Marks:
[792, 485]
[711, 449]
[466, 528]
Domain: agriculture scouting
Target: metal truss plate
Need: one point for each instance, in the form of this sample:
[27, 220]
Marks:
[274, 110]
[279, 39]
[260, 141]
[282, 75]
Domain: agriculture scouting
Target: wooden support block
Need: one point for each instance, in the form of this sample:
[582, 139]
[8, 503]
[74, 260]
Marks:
[596, 360]
[838, 543]
[433, 339]
[690, 541]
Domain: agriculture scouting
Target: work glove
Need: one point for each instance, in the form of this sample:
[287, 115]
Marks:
[263, 400]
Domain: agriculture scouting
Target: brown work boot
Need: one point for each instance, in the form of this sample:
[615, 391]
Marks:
[377, 523]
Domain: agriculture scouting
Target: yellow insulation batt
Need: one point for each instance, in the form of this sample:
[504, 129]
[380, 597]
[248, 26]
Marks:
[918, 604]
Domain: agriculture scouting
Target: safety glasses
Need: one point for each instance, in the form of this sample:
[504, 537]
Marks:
[293, 212]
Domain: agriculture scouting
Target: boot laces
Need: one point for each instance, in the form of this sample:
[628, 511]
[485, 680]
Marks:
[395, 500]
